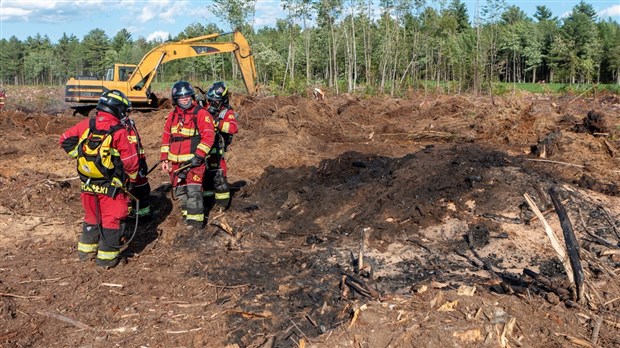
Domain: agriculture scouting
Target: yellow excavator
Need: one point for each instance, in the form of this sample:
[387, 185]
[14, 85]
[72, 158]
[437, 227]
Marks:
[135, 80]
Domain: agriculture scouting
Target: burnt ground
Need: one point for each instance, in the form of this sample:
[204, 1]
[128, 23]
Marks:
[431, 188]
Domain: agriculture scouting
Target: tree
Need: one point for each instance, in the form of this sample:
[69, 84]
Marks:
[458, 10]
[543, 13]
[580, 33]
[328, 12]
[609, 32]
[235, 13]
[68, 51]
[12, 60]
[95, 45]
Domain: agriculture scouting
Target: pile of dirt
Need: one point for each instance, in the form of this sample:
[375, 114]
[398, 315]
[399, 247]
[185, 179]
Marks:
[428, 192]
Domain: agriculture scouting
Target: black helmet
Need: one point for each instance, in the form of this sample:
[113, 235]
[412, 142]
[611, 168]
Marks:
[182, 89]
[217, 96]
[115, 103]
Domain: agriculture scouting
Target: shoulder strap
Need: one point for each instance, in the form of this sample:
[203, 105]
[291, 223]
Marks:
[196, 111]
[92, 124]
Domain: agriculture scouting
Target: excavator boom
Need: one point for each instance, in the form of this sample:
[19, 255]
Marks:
[137, 85]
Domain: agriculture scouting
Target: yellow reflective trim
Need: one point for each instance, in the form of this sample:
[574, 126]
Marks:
[107, 255]
[203, 147]
[74, 152]
[133, 176]
[187, 131]
[165, 148]
[223, 195]
[87, 248]
[179, 158]
[225, 127]
[144, 211]
[114, 152]
[118, 97]
[184, 212]
[195, 217]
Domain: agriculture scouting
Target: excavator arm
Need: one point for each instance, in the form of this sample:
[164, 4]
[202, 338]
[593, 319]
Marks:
[137, 87]
[195, 47]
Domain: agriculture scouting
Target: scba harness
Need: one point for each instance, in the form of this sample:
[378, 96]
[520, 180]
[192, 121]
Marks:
[98, 163]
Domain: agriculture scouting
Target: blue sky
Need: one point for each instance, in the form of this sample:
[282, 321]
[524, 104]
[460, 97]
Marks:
[155, 19]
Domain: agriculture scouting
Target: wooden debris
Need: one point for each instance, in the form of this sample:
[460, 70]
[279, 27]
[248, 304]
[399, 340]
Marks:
[122, 329]
[610, 220]
[563, 293]
[572, 246]
[363, 241]
[252, 315]
[596, 330]
[113, 285]
[356, 313]
[65, 319]
[360, 287]
[199, 304]
[465, 290]
[448, 306]
[224, 226]
[469, 336]
[555, 243]
[555, 162]
[597, 239]
[344, 289]
[182, 331]
[578, 341]
[18, 296]
[610, 252]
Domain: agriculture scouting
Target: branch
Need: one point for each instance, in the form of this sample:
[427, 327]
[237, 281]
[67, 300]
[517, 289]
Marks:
[555, 243]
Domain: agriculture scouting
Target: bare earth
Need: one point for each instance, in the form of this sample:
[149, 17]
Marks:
[435, 183]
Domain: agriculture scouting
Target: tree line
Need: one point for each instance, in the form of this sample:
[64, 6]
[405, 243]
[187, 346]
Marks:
[382, 46]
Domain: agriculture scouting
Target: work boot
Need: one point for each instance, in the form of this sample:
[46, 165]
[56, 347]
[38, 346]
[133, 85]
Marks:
[86, 257]
[193, 224]
[107, 264]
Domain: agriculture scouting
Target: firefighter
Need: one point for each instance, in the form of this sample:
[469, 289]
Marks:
[186, 141]
[141, 190]
[107, 163]
[216, 188]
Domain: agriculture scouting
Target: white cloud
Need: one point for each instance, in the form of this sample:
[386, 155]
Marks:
[7, 12]
[267, 12]
[146, 14]
[48, 11]
[158, 36]
[613, 11]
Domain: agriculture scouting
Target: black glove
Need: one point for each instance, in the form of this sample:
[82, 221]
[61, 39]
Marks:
[196, 161]
[144, 168]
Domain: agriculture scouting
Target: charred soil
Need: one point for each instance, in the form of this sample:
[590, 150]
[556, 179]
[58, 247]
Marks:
[428, 192]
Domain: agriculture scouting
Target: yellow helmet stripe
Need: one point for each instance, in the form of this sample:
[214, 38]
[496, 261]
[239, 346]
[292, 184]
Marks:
[122, 100]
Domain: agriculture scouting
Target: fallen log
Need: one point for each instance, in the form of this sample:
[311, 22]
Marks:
[572, 246]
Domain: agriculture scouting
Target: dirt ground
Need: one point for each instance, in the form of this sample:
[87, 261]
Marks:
[429, 189]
